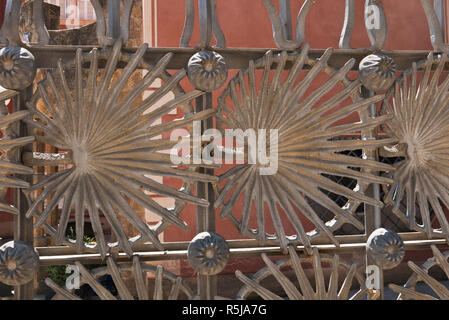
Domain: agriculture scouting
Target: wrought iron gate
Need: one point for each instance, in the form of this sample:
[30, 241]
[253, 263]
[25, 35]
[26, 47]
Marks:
[108, 146]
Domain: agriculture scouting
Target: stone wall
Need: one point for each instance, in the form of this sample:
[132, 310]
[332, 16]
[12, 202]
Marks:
[51, 18]
[85, 35]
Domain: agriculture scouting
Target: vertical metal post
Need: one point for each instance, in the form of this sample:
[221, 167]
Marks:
[375, 186]
[286, 18]
[114, 19]
[205, 16]
[372, 214]
[23, 227]
[439, 9]
[207, 285]
[205, 217]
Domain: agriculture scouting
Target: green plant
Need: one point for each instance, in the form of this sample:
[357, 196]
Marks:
[72, 236]
[57, 274]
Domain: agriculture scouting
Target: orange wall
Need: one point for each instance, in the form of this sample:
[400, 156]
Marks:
[2, 10]
[247, 24]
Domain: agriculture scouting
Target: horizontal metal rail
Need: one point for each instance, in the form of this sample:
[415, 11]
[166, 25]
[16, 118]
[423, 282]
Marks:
[238, 249]
[95, 258]
[182, 245]
[236, 58]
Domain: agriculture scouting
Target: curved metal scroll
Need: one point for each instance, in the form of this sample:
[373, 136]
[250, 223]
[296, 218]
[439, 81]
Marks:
[124, 26]
[39, 22]
[436, 31]
[9, 33]
[209, 24]
[422, 278]
[102, 37]
[280, 33]
[164, 284]
[205, 23]
[303, 288]
[375, 23]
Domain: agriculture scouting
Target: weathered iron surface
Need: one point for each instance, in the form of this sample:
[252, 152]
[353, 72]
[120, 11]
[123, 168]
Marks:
[386, 248]
[17, 68]
[305, 289]
[208, 253]
[422, 275]
[305, 149]
[19, 263]
[419, 104]
[377, 72]
[207, 71]
[280, 24]
[208, 21]
[114, 144]
[10, 144]
[120, 273]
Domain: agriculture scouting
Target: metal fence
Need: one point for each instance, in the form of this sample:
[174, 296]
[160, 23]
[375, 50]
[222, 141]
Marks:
[82, 142]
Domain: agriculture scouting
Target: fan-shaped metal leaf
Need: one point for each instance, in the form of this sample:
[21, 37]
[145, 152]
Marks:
[307, 149]
[114, 142]
[411, 290]
[420, 123]
[147, 278]
[305, 290]
[9, 142]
